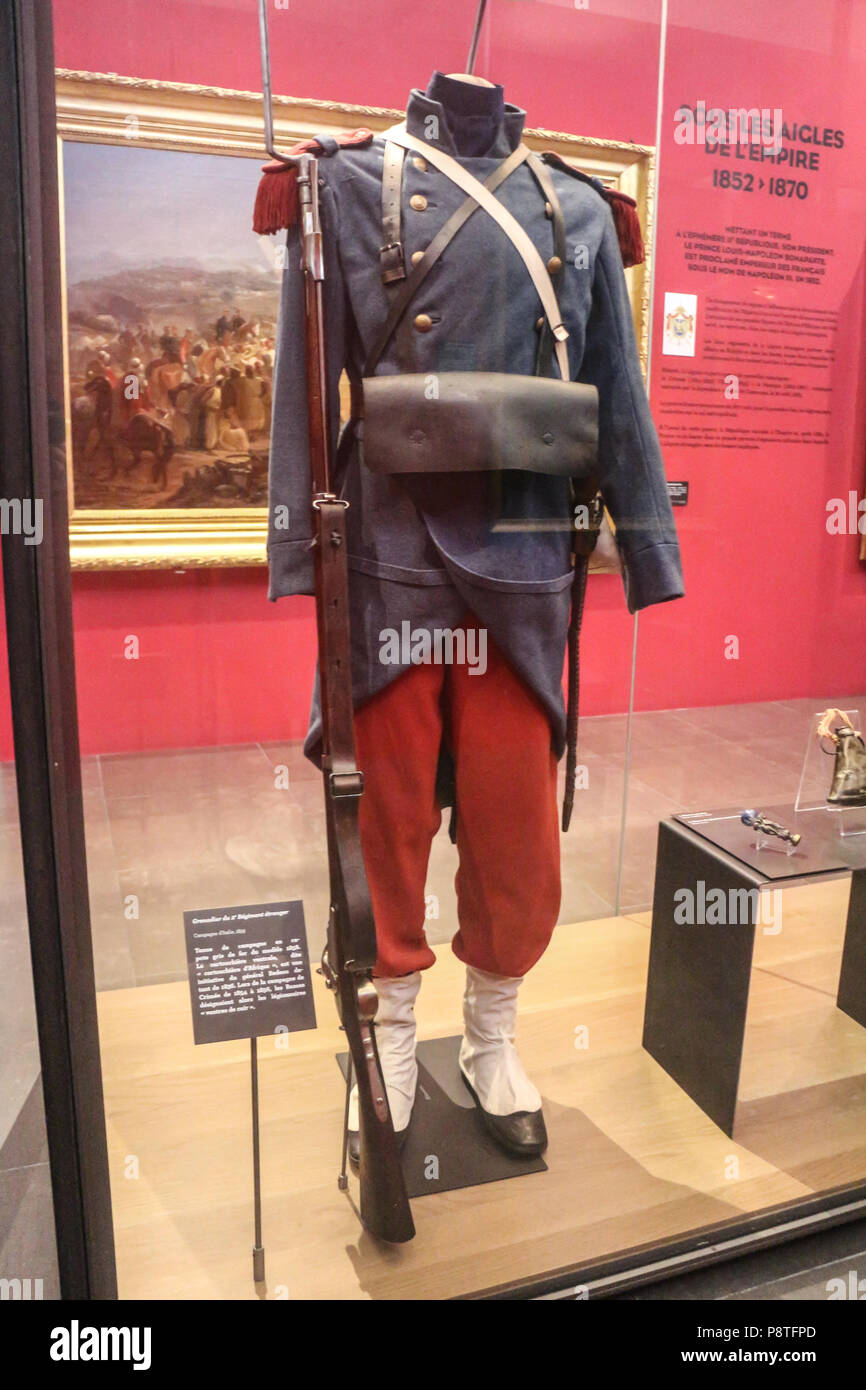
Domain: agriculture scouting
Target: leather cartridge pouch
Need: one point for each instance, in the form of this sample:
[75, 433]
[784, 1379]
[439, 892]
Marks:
[447, 422]
[479, 421]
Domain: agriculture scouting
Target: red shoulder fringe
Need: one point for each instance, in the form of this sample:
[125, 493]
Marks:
[627, 223]
[277, 196]
[622, 207]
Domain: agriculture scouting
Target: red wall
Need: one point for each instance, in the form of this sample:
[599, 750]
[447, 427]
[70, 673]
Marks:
[217, 663]
[553, 58]
[759, 562]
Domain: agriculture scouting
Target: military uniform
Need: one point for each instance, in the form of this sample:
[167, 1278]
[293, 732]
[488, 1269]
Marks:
[434, 551]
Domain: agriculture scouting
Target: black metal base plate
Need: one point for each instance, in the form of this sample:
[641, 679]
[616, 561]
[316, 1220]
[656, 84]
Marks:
[447, 1146]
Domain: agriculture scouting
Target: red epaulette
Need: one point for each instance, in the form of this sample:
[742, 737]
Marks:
[277, 196]
[623, 209]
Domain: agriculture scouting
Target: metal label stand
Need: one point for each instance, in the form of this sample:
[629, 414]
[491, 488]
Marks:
[258, 1248]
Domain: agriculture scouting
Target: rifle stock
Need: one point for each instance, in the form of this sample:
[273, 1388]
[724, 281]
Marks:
[351, 950]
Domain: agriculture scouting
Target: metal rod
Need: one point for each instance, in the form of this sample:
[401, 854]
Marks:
[258, 1248]
[476, 34]
[342, 1180]
[267, 94]
[623, 815]
[623, 826]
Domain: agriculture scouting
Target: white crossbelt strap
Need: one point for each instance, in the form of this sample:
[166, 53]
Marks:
[510, 226]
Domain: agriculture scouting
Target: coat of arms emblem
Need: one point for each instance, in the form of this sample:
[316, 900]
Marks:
[680, 323]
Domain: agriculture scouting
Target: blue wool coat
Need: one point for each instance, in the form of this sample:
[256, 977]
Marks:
[429, 550]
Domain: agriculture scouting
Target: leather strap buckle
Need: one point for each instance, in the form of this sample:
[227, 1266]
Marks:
[329, 499]
[346, 783]
[393, 266]
[392, 262]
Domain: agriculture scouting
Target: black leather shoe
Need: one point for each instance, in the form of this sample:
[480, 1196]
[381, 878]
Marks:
[355, 1145]
[849, 772]
[522, 1134]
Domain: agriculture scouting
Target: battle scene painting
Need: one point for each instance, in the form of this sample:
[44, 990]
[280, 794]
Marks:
[172, 305]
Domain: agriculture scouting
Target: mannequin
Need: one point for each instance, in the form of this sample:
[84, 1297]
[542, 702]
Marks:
[509, 1103]
[433, 557]
[473, 109]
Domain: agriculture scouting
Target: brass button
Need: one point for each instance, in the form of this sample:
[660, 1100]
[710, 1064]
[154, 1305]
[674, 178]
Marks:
[423, 323]
[539, 323]
[420, 163]
[417, 256]
[554, 264]
[418, 202]
[548, 210]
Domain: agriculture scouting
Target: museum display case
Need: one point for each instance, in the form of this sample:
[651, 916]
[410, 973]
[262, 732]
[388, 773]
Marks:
[592, 312]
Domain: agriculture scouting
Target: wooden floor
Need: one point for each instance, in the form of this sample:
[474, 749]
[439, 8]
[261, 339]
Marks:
[631, 1158]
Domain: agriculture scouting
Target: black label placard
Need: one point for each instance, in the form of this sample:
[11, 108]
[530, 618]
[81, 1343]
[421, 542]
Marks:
[678, 493]
[249, 971]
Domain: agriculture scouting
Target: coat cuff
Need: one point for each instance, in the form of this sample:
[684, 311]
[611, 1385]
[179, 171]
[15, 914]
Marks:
[652, 575]
[290, 569]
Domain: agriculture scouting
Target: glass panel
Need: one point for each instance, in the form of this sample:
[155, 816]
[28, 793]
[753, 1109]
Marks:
[757, 349]
[194, 693]
[186, 382]
[28, 1255]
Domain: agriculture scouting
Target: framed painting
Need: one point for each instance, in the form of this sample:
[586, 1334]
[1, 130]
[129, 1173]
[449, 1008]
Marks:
[171, 305]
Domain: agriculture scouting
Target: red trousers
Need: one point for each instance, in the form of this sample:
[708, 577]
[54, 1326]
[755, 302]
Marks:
[508, 880]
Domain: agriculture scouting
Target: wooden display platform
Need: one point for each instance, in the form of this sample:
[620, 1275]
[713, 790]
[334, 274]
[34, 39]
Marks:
[631, 1158]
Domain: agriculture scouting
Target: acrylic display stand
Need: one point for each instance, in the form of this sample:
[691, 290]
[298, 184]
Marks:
[774, 844]
[816, 777]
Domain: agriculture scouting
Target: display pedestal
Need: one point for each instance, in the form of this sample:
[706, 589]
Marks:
[447, 1146]
[815, 781]
[706, 906]
[851, 995]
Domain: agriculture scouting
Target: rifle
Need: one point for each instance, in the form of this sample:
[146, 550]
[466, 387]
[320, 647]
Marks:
[350, 953]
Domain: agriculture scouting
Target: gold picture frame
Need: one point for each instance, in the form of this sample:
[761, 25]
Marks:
[100, 108]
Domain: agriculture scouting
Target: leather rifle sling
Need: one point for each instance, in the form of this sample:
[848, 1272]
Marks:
[540, 173]
[578, 596]
[579, 560]
[391, 255]
[392, 261]
[521, 241]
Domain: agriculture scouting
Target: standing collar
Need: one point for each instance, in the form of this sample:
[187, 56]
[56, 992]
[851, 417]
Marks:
[421, 108]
